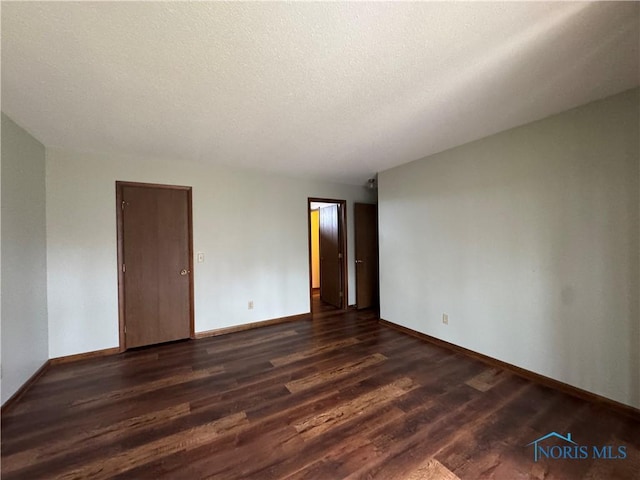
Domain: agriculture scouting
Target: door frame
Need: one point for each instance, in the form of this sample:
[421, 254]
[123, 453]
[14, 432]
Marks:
[120, 240]
[342, 232]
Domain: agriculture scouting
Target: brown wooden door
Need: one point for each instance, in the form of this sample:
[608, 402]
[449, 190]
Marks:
[330, 256]
[156, 271]
[366, 244]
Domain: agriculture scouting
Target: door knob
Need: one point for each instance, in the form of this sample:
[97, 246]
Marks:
[183, 272]
[359, 261]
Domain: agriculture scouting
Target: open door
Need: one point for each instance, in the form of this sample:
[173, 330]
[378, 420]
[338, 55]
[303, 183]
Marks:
[332, 246]
[330, 257]
[366, 245]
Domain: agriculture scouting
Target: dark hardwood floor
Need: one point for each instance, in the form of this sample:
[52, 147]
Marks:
[319, 306]
[335, 396]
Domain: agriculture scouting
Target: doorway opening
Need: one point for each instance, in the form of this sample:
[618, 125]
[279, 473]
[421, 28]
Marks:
[327, 254]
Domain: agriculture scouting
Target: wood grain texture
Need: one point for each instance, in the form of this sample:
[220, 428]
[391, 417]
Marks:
[178, 442]
[312, 352]
[322, 422]
[13, 399]
[485, 380]
[104, 434]
[331, 375]
[365, 221]
[632, 412]
[334, 395]
[431, 470]
[154, 230]
[136, 390]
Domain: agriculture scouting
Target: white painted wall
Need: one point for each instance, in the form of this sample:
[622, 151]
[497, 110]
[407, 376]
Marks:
[23, 251]
[252, 252]
[529, 240]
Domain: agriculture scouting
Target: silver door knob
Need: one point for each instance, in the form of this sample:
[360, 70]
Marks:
[183, 272]
[359, 261]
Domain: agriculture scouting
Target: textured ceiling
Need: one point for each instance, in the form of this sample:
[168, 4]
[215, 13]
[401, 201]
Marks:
[334, 91]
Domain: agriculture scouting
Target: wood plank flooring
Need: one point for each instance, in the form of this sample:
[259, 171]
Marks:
[334, 396]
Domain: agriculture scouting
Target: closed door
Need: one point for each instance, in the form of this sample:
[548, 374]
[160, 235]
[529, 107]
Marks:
[366, 246]
[156, 264]
[330, 256]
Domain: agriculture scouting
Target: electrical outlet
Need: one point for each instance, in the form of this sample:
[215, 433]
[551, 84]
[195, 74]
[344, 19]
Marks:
[250, 305]
[445, 319]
